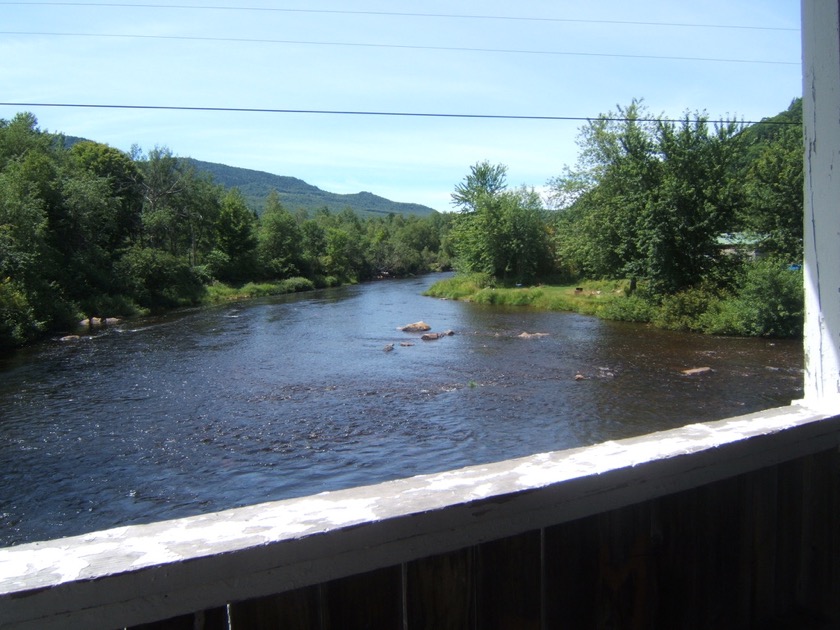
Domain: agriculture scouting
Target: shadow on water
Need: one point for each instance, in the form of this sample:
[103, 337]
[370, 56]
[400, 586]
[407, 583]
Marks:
[232, 405]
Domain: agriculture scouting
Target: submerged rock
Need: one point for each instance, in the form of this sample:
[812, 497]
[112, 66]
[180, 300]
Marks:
[527, 335]
[415, 327]
[95, 322]
[697, 370]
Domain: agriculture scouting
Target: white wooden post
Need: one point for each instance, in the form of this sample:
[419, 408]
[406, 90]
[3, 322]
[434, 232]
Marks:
[821, 113]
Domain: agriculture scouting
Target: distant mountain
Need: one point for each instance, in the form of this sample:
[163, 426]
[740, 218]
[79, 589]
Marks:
[296, 194]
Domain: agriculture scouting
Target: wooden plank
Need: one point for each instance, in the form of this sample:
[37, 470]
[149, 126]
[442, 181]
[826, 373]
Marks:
[760, 543]
[820, 550]
[292, 610]
[214, 619]
[368, 600]
[789, 535]
[820, 113]
[571, 574]
[440, 591]
[627, 591]
[509, 583]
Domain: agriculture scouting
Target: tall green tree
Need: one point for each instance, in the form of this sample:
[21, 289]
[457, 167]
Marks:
[696, 200]
[122, 224]
[236, 239]
[484, 180]
[774, 179]
[280, 241]
[163, 183]
[649, 199]
[500, 232]
[609, 193]
[23, 223]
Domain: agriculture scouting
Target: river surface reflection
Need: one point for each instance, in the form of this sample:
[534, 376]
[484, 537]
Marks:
[221, 407]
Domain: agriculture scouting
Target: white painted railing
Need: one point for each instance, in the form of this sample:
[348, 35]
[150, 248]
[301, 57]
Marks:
[133, 575]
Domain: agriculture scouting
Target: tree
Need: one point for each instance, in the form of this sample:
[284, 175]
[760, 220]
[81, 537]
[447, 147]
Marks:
[122, 225]
[649, 199]
[20, 136]
[162, 183]
[502, 233]
[484, 180]
[23, 223]
[608, 194]
[280, 241]
[31, 210]
[694, 202]
[774, 179]
[236, 241]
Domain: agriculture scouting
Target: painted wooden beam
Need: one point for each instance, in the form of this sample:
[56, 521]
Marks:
[821, 114]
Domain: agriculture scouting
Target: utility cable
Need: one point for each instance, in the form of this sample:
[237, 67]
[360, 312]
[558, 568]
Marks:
[336, 112]
[401, 14]
[397, 46]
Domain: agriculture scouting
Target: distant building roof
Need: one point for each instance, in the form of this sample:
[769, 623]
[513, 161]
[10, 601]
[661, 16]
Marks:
[741, 239]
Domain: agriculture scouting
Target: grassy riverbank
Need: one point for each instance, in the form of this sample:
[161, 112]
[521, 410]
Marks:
[766, 302]
[589, 298]
[219, 292]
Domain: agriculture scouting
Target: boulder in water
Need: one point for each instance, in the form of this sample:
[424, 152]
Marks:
[415, 327]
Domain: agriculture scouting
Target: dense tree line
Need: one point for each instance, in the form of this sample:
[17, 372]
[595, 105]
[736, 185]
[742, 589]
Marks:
[91, 231]
[650, 201]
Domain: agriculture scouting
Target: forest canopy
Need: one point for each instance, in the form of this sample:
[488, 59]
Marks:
[703, 220]
[90, 231]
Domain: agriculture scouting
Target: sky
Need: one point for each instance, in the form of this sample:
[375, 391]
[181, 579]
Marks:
[534, 58]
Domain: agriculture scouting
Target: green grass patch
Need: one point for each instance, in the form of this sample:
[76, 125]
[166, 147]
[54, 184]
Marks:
[588, 298]
[461, 287]
[219, 292]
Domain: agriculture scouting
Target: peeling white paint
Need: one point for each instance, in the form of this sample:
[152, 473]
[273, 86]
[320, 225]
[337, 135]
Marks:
[820, 113]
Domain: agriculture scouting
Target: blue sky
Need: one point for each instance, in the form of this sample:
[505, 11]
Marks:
[573, 59]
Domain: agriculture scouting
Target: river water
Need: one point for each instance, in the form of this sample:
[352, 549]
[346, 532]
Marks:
[220, 407]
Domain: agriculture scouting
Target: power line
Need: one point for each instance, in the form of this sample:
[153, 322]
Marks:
[403, 14]
[336, 112]
[397, 46]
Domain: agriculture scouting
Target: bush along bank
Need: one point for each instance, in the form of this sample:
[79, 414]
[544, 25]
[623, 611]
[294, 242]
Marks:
[765, 299]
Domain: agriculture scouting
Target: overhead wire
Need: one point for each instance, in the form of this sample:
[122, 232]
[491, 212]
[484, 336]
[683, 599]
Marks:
[249, 40]
[374, 45]
[337, 112]
[404, 14]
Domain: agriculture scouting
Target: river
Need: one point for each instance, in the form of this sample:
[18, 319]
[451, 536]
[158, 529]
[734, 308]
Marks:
[213, 408]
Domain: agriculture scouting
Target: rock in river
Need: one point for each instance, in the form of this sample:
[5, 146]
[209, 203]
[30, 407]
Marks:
[415, 327]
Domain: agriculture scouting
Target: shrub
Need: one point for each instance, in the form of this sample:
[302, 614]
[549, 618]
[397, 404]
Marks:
[633, 308]
[157, 280]
[684, 310]
[769, 303]
[460, 286]
[18, 323]
[295, 285]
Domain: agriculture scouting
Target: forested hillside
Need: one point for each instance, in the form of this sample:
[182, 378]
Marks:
[89, 231]
[296, 194]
